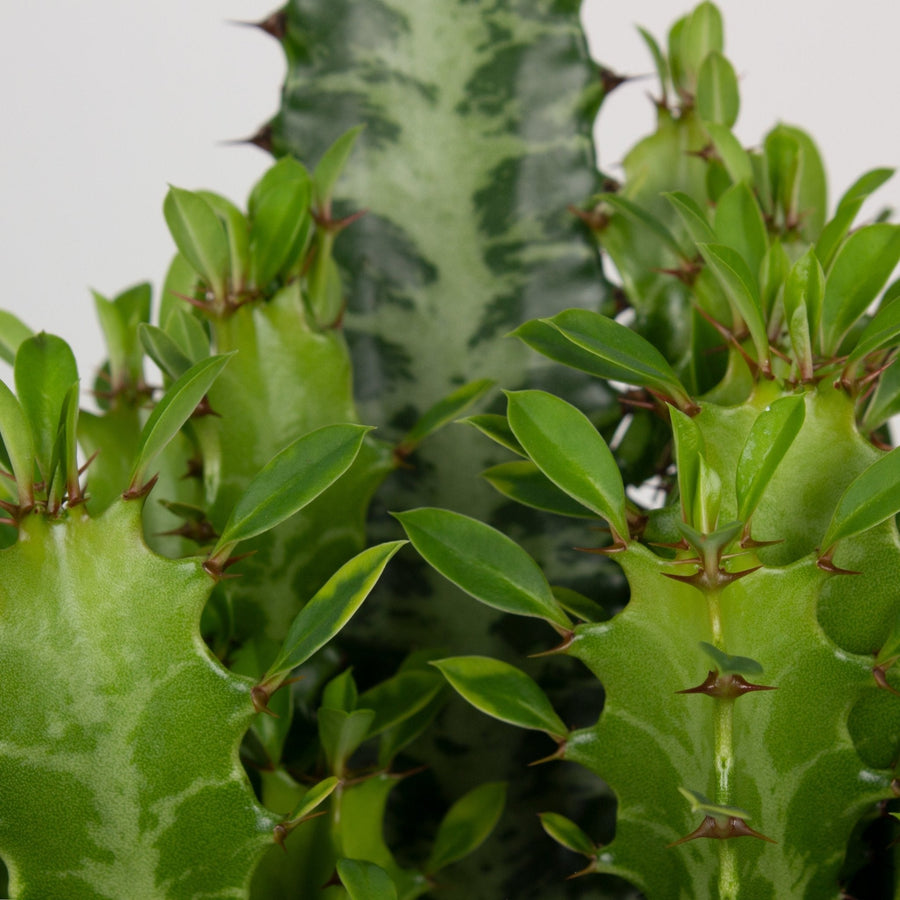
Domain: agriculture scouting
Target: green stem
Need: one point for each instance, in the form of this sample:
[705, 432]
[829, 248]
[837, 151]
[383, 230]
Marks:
[724, 733]
[715, 617]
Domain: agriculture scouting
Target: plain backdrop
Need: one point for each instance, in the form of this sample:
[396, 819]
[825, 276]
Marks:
[105, 102]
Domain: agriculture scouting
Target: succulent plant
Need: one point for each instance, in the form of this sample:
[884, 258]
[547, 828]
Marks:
[766, 573]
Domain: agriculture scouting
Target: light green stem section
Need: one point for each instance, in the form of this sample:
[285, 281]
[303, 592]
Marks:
[724, 722]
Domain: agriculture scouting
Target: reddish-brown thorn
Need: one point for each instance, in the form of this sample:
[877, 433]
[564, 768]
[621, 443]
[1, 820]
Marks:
[262, 139]
[259, 697]
[568, 637]
[11, 508]
[199, 304]
[721, 829]
[587, 870]
[618, 546]
[880, 675]
[137, 493]
[731, 338]
[826, 565]
[730, 686]
[274, 25]
[593, 218]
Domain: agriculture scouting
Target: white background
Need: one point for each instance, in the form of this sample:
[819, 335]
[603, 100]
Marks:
[105, 102]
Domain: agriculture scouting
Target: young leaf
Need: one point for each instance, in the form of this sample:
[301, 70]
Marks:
[316, 795]
[496, 427]
[503, 692]
[522, 481]
[365, 881]
[689, 449]
[743, 291]
[483, 562]
[770, 438]
[445, 411]
[870, 499]
[567, 448]
[692, 215]
[702, 34]
[188, 333]
[885, 400]
[341, 692]
[237, 229]
[164, 351]
[280, 215]
[12, 332]
[659, 61]
[731, 665]
[292, 478]
[773, 273]
[340, 733]
[882, 331]
[172, 411]
[63, 474]
[729, 150]
[860, 269]
[567, 833]
[616, 352]
[836, 229]
[717, 99]
[804, 291]
[467, 825]
[200, 236]
[15, 430]
[45, 370]
[330, 166]
[398, 698]
[330, 609]
[740, 225]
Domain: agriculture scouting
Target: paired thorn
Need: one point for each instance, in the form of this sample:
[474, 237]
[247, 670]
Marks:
[262, 139]
[721, 829]
[135, 493]
[216, 569]
[824, 562]
[728, 686]
[274, 25]
[558, 753]
[567, 638]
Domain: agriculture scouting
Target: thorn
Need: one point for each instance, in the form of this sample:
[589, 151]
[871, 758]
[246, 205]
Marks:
[259, 697]
[721, 829]
[558, 753]
[880, 675]
[11, 508]
[729, 686]
[748, 542]
[587, 870]
[334, 226]
[610, 80]
[568, 637]
[274, 25]
[593, 218]
[617, 546]
[199, 304]
[137, 493]
[731, 338]
[826, 565]
[262, 139]
[279, 833]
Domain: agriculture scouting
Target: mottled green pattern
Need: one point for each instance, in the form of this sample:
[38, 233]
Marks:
[804, 779]
[120, 733]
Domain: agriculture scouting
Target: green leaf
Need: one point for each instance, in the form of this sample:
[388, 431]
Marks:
[702, 34]
[729, 150]
[693, 216]
[689, 447]
[776, 265]
[885, 400]
[188, 333]
[524, 482]
[728, 664]
[467, 825]
[496, 427]
[12, 332]
[341, 692]
[400, 697]
[172, 411]
[740, 225]
[567, 833]
[200, 236]
[483, 562]
[292, 478]
[882, 331]
[45, 370]
[769, 440]
[280, 217]
[717, 98]
[365, 881]
[330, 609]
[330, 166]
[63, 473]
[615, 352]
[643, 219]
[659, 61]
[578, 605]
[164, 351]
[445, 411]
[804, 291]
[341, 733]
[567, 448]
[849, 206]
[503, 692]
[238, 231]
[316, 795]
[870, 499]
[743, 290]
[15, 429]
[797, 179]
[861, 268]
